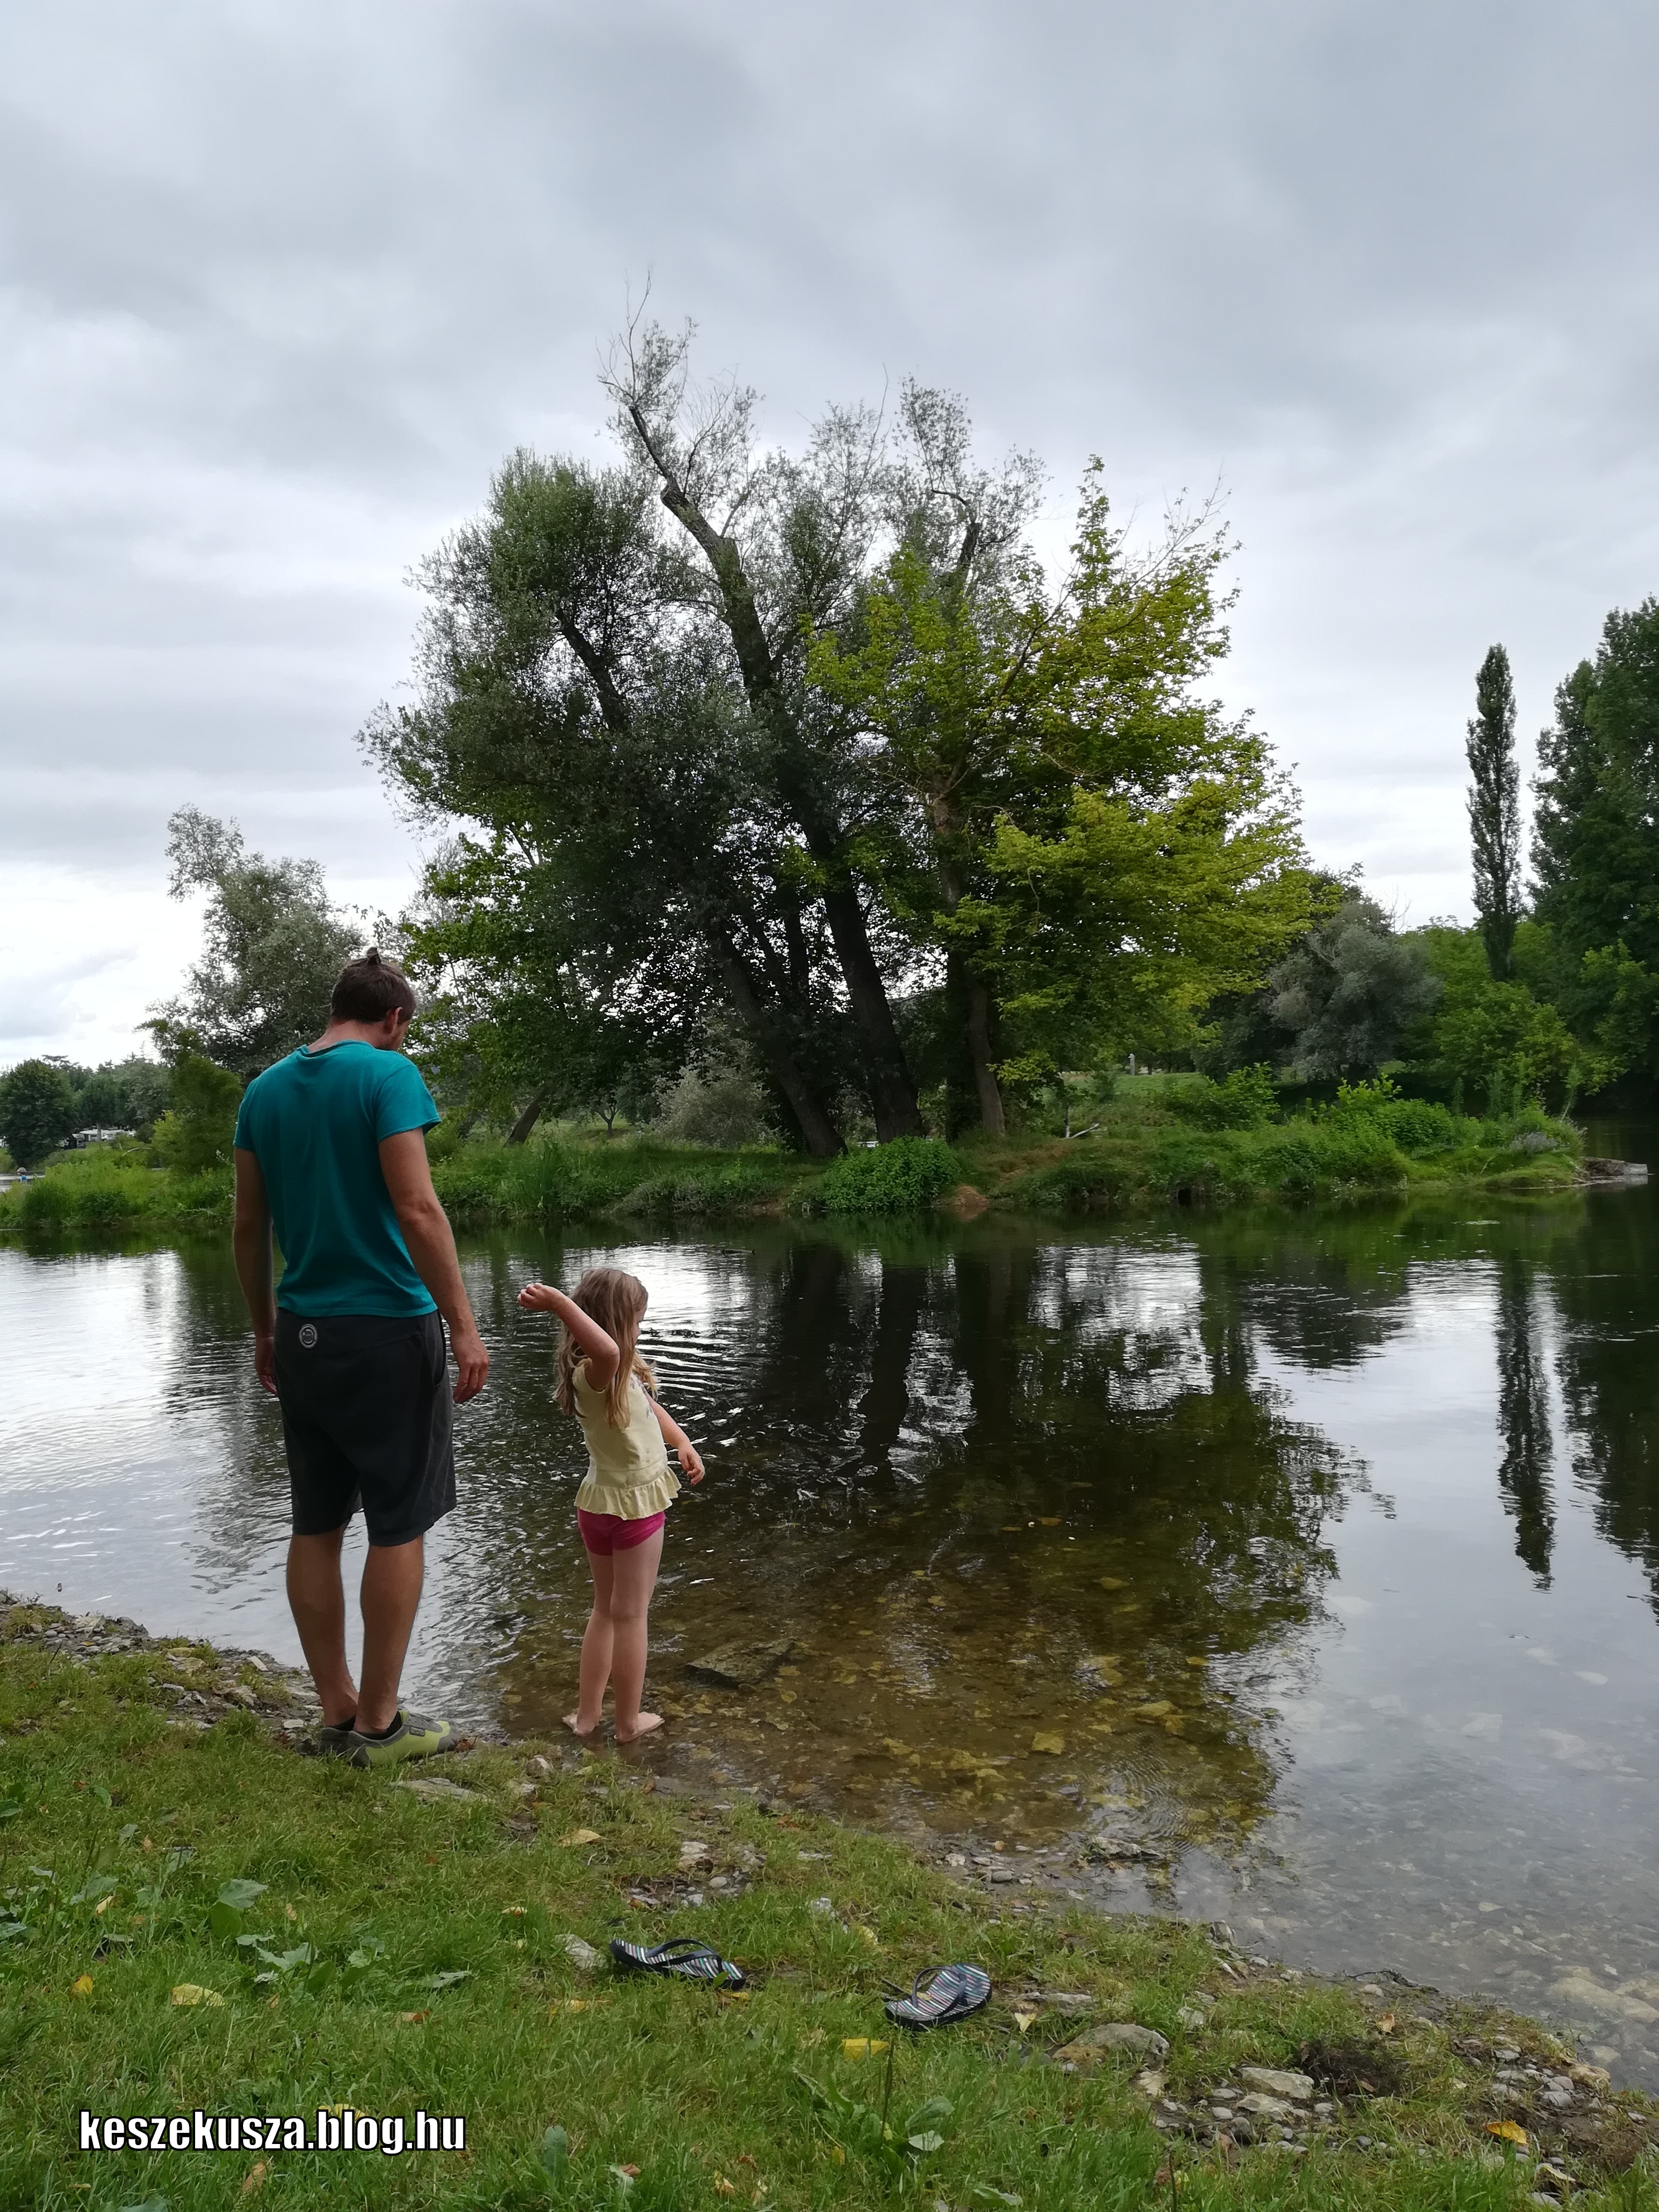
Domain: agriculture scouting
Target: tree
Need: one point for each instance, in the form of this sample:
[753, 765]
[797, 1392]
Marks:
[130, 1094]
[1499, 1037]
[1494, 805]
[812, 734]
[1348, 991]
[198, 1129]
[37, 1110]
[519, 1019]
[780, 545]
[274, 947]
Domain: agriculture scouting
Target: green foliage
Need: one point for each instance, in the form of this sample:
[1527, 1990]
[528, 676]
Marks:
[713, 1106]
[1246, 1099]
[1494, 805]
[196, 1132]
[274, 947]
[1349, 992]
[906, 1177]
[1097, 844]
[37, 1110]
[1595, 848]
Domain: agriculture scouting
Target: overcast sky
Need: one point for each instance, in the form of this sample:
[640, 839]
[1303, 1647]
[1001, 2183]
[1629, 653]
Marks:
[283, 282]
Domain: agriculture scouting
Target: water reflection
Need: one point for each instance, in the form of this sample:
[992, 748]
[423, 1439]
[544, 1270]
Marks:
[1254, 1543]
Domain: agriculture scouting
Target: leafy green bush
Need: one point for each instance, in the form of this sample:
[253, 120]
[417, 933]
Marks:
[905, 1176]
[46, 1204]
[1246, 1099]
[1418, 1125]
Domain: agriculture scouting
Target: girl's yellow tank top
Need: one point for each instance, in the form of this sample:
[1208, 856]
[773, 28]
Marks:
[627, 1469]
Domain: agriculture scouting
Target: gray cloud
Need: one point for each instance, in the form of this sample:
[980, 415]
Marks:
[281, 283]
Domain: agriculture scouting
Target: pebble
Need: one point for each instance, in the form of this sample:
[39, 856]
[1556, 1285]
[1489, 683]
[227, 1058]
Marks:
[1266, 2108]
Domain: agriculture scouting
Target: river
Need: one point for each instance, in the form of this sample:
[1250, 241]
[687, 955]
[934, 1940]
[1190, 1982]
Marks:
[1303, 1564]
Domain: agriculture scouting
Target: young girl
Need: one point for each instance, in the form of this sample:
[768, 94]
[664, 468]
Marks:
[622, 1505]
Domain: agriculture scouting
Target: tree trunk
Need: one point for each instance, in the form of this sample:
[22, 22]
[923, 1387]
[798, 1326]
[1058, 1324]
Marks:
[823, 1138]
[892, 1093]
[527, 1120]
[986, 1089]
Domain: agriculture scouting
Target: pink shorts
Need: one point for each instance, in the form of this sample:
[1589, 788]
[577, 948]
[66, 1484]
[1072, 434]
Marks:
[604, 1533]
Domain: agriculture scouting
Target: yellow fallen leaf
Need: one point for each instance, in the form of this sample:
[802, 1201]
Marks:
[582, 1836]
[723, 2187]
[413, 2019]
[1049, 1523]
[192, 1993]
[1113, 1581]
[861, 2046]
[866, 1935]
[837, 2154]
[1507, 2131]
[82, 1985]
[255, 2180]
[736, 1996]
[1025, 2018]
[517, 1911]
[98, 1910]
[1385, 2025]
[1046, 1740]
[1198, 1662]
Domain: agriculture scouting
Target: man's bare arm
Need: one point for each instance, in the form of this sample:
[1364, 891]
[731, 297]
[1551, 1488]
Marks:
[431, 1244]
[251, 1241]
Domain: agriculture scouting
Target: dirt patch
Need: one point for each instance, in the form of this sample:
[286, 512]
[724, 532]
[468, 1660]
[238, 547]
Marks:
[1352, 2069]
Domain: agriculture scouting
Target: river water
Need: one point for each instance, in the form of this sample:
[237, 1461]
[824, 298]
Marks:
[1311, 1557]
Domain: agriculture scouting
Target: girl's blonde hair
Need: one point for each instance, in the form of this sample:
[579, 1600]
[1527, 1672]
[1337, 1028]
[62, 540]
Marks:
[617, 1302]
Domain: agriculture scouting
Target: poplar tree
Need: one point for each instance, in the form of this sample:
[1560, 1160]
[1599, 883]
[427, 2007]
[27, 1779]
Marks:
[1494, 803]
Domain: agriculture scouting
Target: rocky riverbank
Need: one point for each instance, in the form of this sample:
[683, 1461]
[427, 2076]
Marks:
[1154, 2042]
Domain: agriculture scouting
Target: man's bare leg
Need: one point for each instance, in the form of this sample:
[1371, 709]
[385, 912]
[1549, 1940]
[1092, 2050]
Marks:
[317, 1599]
[392, 1576]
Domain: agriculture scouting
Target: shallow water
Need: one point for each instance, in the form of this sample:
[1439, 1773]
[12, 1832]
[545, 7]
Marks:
[1317, 1552]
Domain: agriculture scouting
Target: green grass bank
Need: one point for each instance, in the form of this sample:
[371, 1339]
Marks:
[1161, 1141]
[195, 1918]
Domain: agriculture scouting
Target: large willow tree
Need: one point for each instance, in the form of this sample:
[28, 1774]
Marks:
[813, 733]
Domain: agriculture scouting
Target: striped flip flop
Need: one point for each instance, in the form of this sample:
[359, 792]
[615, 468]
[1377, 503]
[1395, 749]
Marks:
[951, 1994]
[684, 1955]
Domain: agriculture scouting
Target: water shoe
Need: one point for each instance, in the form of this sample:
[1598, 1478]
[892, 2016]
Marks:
[414, 1736]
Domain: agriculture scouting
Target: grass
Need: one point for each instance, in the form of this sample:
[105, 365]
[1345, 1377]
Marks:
[398, 1952]
[1161, 1141]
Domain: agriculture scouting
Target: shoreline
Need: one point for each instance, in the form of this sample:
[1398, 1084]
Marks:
[1064, 1973]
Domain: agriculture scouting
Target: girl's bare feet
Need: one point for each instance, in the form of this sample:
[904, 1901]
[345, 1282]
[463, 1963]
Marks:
[646, 1723]
[572, 1722]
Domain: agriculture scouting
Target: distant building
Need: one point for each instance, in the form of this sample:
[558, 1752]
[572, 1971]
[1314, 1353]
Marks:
[96, 1137]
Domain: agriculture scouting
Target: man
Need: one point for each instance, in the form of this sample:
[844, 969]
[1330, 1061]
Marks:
[330, 1148]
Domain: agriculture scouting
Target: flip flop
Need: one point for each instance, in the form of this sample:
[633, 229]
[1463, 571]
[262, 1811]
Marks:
[952, 1993]
[684, 1955]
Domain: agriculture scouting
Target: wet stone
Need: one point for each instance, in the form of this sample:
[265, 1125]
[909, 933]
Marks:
[741, 1666]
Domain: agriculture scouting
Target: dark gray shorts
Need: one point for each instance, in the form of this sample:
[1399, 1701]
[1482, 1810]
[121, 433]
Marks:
[366, 1421]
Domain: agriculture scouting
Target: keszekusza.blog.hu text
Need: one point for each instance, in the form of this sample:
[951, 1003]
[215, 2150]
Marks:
[339, 2128]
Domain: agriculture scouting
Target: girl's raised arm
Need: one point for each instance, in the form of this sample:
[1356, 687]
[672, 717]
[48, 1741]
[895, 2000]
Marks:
[598, 1349]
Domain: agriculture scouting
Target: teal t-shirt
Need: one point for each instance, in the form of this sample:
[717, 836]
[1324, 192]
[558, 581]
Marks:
[314, 1123]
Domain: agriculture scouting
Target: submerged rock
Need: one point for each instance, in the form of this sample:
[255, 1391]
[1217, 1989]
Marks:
[741, 1666]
